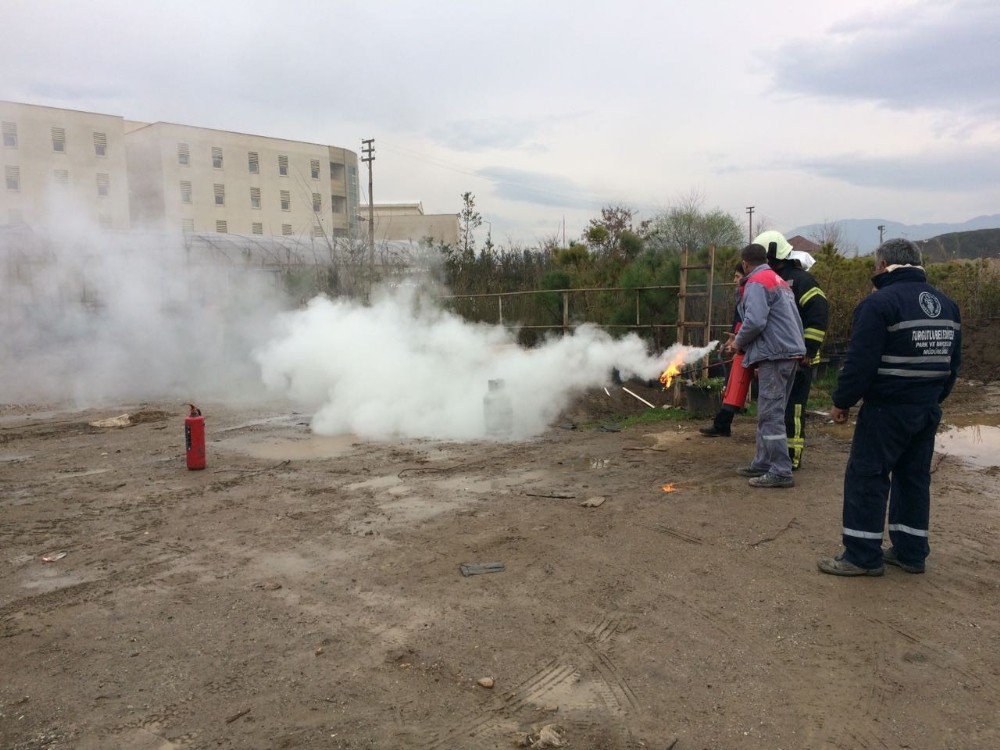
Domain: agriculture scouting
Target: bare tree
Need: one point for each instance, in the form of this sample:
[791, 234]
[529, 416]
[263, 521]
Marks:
[686, 225]
[831, 234]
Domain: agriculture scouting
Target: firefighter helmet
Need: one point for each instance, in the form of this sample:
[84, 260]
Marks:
[775, 243]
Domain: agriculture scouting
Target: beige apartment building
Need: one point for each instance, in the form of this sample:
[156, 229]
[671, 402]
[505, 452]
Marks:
[73, 169]
[202, 180]
[408, 222]
[63, 167]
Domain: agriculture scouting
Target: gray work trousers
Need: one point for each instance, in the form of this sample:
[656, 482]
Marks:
[774, 380]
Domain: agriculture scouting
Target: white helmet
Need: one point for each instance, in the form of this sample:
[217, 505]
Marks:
[775, 243]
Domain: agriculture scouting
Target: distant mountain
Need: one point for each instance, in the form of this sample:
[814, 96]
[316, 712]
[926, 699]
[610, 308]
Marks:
[863, 233]
[982, 243]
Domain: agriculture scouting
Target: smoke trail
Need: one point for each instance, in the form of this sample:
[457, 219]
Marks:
[404, 367]
[91, 317]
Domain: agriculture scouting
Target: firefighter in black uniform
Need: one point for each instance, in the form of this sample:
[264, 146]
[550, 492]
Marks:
[903, 360]
[815, 314]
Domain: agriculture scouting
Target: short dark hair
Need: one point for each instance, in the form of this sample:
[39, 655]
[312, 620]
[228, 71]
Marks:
[898, 252]
[754, 254]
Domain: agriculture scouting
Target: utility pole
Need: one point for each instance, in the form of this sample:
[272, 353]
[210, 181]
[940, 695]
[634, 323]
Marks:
[750, 212]
[881, 230]
[368, 151]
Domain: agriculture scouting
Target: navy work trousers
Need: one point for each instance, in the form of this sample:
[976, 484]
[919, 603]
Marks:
[890, 460]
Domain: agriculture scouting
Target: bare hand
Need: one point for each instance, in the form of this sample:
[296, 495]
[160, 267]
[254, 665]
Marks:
[805, 361]
[840, 415]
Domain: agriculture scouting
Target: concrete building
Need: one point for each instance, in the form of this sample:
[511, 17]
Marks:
[201, 180]
[408, 222]
[68, 168]
[61, 166]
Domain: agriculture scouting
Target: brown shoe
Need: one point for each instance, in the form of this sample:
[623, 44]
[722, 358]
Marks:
[838, 566]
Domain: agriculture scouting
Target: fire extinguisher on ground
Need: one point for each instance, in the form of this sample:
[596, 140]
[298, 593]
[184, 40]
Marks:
[194, 438]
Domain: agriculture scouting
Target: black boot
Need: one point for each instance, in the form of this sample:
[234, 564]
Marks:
[720, 425]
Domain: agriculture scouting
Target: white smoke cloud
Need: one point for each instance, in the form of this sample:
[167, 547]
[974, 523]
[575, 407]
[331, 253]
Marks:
[91, 318]
[404, 367]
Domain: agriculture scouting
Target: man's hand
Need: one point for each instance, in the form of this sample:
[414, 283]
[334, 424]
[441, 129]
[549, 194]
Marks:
[729, 347]
[805, 361]
[839, 415]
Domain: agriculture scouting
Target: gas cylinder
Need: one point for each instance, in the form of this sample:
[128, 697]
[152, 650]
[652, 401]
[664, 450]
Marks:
[498, 410]
[194, 438]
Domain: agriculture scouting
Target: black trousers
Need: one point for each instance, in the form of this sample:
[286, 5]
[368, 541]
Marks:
[890, 461]
[795, 414]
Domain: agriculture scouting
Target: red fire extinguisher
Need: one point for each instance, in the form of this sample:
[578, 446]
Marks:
[194, 438]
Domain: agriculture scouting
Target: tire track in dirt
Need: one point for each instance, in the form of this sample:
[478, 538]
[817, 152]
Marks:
[615, 695]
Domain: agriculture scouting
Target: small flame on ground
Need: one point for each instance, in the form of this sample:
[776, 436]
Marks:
[669, 487]
[672, 371]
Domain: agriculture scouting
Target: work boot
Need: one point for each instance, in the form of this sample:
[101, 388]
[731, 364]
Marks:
[750, 471]
[838, 566]
[772, 480]
[889, 556]
[715, 431]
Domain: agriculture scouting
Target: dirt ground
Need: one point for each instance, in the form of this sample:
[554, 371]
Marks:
[304, 592]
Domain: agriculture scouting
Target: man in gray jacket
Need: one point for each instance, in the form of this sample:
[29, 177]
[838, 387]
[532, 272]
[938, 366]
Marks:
[771, 339]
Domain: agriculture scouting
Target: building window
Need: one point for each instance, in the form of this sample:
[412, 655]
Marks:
[10, 135]
[101, 144]
[254, 162]
[183, 154]
[317, 202]
[103, 185]
[220, 227]
[185, 191]
[314, 168]
[283, 165]
[254, 197]
[286, 200]
[220, 195]
[339, 203]
[339, 232]
[104, 221]
[59, 140]
[187, 225]
[61, 176]
[286, 229]
[257, 228]
[13, 175]
[353, 171]
[216, 157]
[336, 171]
[318, 231]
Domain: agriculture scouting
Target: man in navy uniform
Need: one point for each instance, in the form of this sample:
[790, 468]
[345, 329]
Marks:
[903, 360]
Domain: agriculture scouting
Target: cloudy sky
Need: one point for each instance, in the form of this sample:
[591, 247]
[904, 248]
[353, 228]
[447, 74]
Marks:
[809, 111]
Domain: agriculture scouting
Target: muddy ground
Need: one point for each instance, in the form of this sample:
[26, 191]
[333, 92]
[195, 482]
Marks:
[305, 592]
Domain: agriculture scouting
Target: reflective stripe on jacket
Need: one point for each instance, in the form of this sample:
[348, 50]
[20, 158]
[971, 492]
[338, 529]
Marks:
[906, 343]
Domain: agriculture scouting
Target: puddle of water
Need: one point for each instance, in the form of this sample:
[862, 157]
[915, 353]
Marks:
[376, 483]
[990, 419]
[14, 457]
[83, 473]
[978, 445]
[291, 448]
[281, 420]
[47, 579]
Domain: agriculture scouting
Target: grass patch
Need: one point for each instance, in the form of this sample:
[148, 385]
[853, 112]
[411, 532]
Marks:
[650, 416]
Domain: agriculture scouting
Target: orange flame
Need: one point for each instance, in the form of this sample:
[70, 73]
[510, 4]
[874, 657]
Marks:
[669, 487]
[672, 371]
